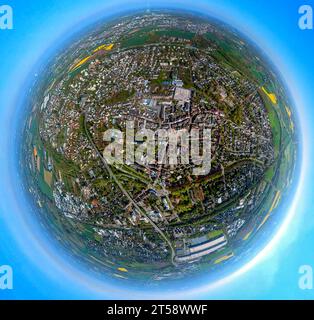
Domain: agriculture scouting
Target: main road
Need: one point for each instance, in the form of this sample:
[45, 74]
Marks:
[139, 209]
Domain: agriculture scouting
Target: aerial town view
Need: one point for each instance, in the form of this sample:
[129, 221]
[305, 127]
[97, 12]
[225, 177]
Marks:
[126, 88]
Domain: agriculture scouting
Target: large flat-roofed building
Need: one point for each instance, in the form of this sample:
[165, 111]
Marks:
[182, 94]
[206, 245]
[201, 249]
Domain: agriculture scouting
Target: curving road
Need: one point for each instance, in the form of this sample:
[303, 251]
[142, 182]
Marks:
[139, 209]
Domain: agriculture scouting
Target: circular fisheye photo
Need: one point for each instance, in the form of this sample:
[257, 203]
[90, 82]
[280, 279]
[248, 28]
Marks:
[158, 146]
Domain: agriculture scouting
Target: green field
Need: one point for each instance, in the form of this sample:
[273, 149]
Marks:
[274, 123]
[149, 35]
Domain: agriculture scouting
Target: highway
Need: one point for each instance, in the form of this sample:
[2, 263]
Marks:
[139, 209]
